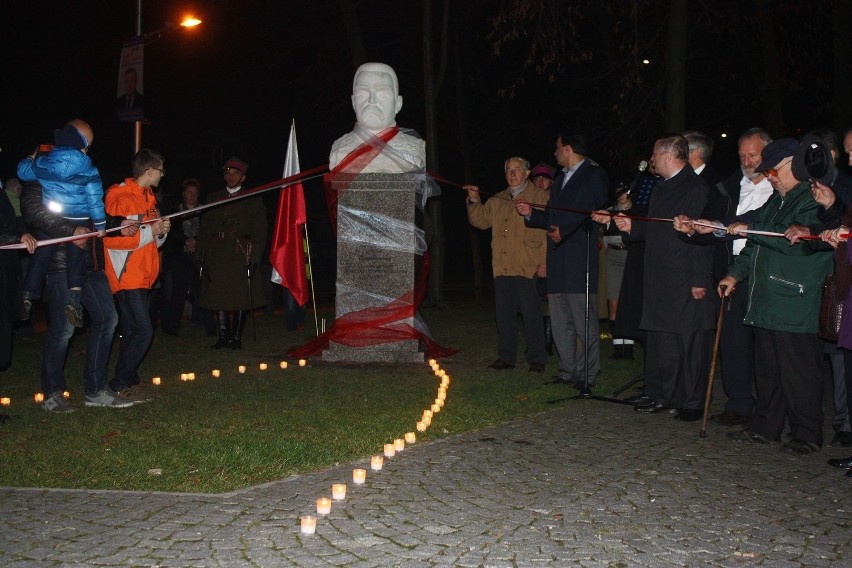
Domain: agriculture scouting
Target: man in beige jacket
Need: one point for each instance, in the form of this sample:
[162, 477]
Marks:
[517, 253]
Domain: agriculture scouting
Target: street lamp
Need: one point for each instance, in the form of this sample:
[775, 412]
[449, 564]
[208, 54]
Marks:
[187, 22]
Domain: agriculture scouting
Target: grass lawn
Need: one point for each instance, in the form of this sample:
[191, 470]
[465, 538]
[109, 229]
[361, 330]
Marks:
[220, 434]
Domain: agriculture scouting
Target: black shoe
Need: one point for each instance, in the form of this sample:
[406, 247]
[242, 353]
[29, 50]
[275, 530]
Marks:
[730, 419]
[221, 343]
[689, 414]
[796, 446]
[651, 408]
[842, 440]
[536, 368]
[749, 436]
[617, 352]
[500, 365]
[845, 463]
[235, 343]
[557, 380]
[639, 399]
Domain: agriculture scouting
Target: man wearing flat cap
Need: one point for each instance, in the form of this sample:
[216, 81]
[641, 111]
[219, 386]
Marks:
[231, 239]
[785, 287]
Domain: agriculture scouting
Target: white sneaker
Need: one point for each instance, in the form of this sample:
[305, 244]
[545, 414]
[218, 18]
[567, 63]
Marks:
[107, 399]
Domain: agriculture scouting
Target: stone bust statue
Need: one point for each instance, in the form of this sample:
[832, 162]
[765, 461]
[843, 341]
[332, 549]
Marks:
[376, 145]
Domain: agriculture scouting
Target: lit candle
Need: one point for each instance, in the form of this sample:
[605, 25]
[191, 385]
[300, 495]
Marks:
[435, 409]
[66, 395]
[191, 376]
[433, 362]
[263, 366]
[338, 491]
[389, 451]
[5, 401]
[427, 413]
[439, 402]
[184, 377]
[283, 364]
[359, 476]
[410, 438]
[426, 420]
[309, 524]
[302, 362]
[421, 426]
[241, 369]
[216, 373]
[39, 397]
[156, 380]
[376, 463]
[399, 444]
[323, 506]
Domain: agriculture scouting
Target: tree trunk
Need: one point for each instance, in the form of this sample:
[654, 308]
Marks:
[676, 38]
[433, 219]
[841, 12]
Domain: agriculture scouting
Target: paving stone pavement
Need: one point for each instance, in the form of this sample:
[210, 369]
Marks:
[588, 484]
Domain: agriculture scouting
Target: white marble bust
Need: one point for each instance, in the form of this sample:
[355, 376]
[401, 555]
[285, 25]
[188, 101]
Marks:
[376, 100]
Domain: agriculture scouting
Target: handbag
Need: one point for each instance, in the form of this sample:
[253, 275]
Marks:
[830, 310]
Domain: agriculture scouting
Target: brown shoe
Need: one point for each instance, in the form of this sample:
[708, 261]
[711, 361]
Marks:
[730, 419]
[135, 394]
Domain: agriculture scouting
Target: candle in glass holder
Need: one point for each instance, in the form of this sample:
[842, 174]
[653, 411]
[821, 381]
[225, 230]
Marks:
[376, 463]
[309, 524]
[323, 506]
[389, 451]
[426, 420]
[263, 366]
[399, 444]
[359, 476]
[66, 395]
[5, 401]
[338, 491]
[39, 397]
[410, 438]
[427, 413]
[183, 377]
[156, 381]
[241, 369]
[433, 362]
[421, 426]
[283, 364]
[303, 362]
[216, 373]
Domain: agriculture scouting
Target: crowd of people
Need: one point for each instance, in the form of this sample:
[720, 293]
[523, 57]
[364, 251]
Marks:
[128, 245]
[686, 243]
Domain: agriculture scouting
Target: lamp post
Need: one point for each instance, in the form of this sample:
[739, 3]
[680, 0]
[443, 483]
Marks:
[187, 22]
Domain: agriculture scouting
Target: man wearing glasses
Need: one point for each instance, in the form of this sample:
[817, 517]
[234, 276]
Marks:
[784, 290]
[133, 265]
[676, 311]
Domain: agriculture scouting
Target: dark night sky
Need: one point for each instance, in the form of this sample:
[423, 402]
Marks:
[233, 85]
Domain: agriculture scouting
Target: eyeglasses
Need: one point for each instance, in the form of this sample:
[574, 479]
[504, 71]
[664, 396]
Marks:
[774, 172]
[161, 170]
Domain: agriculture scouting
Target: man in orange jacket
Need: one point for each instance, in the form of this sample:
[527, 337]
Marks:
[133, 265]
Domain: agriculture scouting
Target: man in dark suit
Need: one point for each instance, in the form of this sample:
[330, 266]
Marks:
[131, 105]
[582, 185]
[677, 312]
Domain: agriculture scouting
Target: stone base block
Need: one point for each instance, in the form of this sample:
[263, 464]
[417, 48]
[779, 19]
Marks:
[397, 352]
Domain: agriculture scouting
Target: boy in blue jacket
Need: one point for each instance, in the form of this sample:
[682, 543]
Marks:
[72, 189]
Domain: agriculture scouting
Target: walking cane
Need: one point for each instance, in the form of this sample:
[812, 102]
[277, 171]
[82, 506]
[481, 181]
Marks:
[703, 432]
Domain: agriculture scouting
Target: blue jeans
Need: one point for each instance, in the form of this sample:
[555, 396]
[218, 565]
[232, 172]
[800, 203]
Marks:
[136, 333]
[98, 301]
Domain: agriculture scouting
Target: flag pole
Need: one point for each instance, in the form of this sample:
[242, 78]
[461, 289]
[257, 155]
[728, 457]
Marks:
[311, 272]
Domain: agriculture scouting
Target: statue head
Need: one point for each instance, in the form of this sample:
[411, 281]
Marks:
[375, 96]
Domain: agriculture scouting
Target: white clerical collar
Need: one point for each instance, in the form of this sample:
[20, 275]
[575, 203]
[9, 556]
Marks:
[700, 169]
[232, 191]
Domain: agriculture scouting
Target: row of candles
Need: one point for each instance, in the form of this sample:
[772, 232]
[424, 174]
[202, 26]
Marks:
[215, 373]
[359, 475]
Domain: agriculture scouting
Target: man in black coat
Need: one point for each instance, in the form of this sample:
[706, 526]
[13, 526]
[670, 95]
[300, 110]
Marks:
[677, 309]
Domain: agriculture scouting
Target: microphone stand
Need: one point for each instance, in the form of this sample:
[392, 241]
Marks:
[586, 392]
